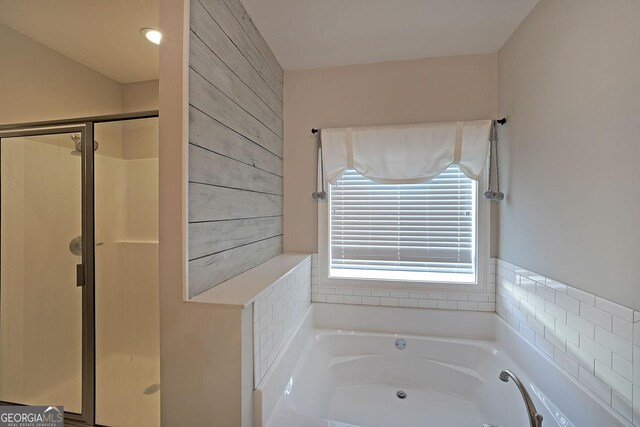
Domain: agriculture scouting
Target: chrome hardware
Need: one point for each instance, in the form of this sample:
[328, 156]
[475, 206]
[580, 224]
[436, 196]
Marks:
[401, 394]
[75, 246]
[153, 388]
[401, 344]
[494, 195]
[535, 419]
[319, 195]
[77, 140]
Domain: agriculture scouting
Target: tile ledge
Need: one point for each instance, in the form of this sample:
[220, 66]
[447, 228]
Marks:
[240, 291]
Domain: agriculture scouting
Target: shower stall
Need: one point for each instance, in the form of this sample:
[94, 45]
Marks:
[79, 320]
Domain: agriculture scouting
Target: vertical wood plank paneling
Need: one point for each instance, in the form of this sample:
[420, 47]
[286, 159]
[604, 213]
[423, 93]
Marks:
[235, 151]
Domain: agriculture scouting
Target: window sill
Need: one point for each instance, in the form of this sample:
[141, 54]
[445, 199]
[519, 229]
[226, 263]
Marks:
[403, 277]
[404, 285]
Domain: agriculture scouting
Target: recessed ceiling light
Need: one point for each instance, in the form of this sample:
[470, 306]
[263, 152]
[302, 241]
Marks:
[151, 34]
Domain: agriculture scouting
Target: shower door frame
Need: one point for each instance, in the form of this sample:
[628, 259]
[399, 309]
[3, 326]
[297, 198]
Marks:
[85, 126]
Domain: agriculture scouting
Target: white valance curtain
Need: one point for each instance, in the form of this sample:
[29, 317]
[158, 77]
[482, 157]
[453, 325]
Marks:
[406, 154]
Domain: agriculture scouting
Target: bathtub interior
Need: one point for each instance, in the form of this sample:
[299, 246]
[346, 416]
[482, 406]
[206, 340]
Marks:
[350, 376]
[354, 378]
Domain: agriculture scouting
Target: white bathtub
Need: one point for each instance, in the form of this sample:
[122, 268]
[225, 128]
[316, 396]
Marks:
[341, 368]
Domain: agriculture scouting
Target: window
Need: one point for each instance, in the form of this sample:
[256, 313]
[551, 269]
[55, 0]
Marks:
[410, 232]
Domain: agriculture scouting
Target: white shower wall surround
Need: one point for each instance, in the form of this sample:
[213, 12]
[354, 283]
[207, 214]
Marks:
[398, 297]
[594, 340]
[276, 313]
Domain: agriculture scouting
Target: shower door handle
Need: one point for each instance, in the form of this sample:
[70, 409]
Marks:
[79, 274]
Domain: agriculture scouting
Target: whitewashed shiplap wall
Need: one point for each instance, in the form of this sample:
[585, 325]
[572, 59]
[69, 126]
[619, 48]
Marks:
[235, 145]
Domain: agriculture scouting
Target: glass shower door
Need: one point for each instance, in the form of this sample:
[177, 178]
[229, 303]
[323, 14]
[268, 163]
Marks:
[43, 318]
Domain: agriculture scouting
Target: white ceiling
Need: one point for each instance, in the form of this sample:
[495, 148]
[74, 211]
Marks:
[319, 33]
[102, 34]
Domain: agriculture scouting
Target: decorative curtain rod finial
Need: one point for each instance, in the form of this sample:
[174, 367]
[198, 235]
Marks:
[314, 131]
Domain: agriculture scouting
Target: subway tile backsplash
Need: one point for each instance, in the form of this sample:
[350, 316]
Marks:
[276, 313]
[594, 340]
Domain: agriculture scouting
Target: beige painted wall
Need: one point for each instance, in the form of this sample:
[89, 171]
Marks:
[38, 83]
[569, 84]
[140, 96]
[416, 91]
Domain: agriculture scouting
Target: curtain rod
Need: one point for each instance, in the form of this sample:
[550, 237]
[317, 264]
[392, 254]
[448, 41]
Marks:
[501, 122]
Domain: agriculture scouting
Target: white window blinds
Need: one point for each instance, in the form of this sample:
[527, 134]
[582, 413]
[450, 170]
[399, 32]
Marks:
[420, 232]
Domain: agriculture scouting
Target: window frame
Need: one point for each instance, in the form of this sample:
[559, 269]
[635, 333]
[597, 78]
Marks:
[482, 253]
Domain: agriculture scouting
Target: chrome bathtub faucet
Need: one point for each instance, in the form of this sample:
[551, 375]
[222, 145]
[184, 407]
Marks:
[535, 419]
